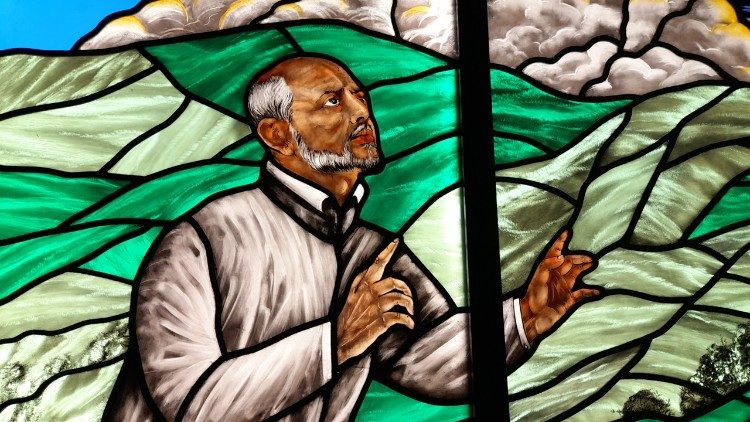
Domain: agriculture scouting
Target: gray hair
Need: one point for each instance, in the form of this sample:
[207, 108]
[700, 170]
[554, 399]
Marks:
[330, 162]
[272, 98]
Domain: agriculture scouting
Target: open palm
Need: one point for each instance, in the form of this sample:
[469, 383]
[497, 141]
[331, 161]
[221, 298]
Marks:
[550, 293]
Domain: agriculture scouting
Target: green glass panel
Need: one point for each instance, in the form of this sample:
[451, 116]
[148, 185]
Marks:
[171, 195]
[510, 150]
[219, 68]
[572, 388]
[731, 208]
[61, 301]
[687, 189]
[37, 358]
[519, 107]
[371, 59]
[657, 116]
[86, 136]
[32, 80]
[36, 201]
[405, 184]
[78, 396]
[252, 150]
[381, 404]
[123, 259]
[735, 410]
[724, 122]
[413, 112]
[27, 260]
[199, 133]
[437, 238]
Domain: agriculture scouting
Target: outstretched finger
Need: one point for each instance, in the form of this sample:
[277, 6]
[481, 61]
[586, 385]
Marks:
[580, 259]
[578, 269]
[390, 284]
[584, 293]
[556, 249]
[572, 261]
[376, 270]
[566, 266]
[391, 300]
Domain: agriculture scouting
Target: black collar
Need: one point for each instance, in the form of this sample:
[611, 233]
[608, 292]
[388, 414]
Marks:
[325, 224]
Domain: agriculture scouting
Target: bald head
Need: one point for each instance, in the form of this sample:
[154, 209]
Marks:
[310, 113]
[272, 93]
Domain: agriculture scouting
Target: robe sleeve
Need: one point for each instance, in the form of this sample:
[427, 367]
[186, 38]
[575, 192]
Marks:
[433, 361]
[186, 369]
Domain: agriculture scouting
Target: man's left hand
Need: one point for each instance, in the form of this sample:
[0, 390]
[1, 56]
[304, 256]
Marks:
[550, 293]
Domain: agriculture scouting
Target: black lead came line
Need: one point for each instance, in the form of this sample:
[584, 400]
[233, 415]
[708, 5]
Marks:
[66, 329]
[119, 155]
[688, 306]
[489, 382]
[73, 266]
[40, 389]
[83, 99]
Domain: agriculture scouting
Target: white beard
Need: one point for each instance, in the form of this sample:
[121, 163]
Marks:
[329, 162]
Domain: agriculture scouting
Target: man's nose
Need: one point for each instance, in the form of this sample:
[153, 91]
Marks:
[357, 109]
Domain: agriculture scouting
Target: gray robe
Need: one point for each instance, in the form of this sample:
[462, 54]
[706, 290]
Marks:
[235, 316]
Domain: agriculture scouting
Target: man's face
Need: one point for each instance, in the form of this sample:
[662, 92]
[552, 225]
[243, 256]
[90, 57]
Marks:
[331, 118]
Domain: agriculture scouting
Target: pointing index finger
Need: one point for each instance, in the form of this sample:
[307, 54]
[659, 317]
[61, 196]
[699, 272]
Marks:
[376, 270]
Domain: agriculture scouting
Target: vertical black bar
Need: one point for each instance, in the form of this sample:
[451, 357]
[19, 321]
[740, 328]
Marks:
[483, 260]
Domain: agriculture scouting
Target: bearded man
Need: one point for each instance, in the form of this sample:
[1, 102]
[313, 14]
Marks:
[279, 302]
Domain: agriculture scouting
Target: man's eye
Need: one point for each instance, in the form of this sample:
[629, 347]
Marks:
[332, 102]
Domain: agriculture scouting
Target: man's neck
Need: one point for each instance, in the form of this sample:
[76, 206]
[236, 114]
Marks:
[340, 185]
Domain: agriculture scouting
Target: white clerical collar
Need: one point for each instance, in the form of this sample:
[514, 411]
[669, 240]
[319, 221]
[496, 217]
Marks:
[309, 193]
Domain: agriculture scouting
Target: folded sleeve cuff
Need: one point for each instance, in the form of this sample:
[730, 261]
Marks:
[519, 323]
[325, 339]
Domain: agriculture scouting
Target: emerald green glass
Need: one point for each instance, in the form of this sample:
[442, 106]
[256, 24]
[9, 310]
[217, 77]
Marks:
[32, 201]
[219, 68]
[520, 108]
[123, 260]
[407, 183]
[731, 208]
[30, 259]
[371, 58]
[173, 194]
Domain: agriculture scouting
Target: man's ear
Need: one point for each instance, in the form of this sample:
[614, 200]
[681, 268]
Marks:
[275, 133]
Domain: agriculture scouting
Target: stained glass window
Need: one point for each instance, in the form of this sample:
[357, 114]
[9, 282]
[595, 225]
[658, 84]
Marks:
[195, 193]
[622, 123]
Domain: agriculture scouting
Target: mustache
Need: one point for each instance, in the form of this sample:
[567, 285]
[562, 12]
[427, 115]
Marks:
[362, 127]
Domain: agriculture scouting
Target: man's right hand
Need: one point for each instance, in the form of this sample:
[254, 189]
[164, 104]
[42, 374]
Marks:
[368, 311]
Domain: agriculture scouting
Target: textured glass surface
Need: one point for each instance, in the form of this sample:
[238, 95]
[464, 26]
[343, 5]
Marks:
[169, 154]
[226, 64]
[27, 260]
[33, 201]
[520, 108]
[656, 189]
[731, 209]
[32, 80]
